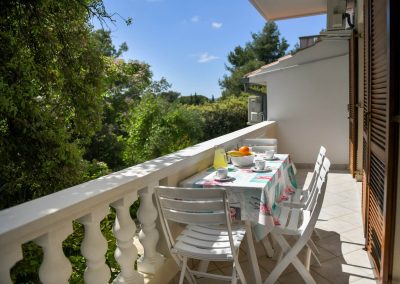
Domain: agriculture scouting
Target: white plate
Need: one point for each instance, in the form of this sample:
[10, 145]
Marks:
[267, 169]
[224, 179]
[271, 159]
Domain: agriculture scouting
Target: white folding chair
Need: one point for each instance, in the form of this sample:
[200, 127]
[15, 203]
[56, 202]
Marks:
[299, 222]
[260, 145]
[208, 235]
[261, 142]
[301, 197]
[262, 149]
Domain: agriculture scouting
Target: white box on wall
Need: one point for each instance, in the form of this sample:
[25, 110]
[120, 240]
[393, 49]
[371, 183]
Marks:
[255, 114]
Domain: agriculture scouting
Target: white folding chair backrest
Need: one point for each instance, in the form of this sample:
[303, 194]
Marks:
[317, 195]
[317, 169]
[262, 149]
[208, 206]
[261, 142]
[201, 210]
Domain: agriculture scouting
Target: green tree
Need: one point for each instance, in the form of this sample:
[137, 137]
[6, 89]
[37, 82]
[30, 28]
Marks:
[195, 99]
[265, 47]
[107, 48]
[223, 116]
[125, 82]
[156, 128]
[51, 86]
[170, 96]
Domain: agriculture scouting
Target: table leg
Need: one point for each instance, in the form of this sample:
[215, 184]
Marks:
[252, 254]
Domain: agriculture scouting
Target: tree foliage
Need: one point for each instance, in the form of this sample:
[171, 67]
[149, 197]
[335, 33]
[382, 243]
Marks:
[195, 99]
[223, 116]
[71, 109]
[265, 47]
[51, 85]
[156, 128]
[125, 84]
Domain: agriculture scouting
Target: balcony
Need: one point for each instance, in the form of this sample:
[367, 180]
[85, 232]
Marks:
[48, 221]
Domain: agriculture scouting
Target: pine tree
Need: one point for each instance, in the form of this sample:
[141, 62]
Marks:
[265, 47]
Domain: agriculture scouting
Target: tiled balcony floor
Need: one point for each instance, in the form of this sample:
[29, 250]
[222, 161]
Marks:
[341, 245]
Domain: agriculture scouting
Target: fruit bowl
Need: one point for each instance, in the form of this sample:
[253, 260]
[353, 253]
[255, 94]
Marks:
[243, 161]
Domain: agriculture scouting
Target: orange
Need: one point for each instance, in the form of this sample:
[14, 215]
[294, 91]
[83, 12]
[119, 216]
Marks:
[244, 150]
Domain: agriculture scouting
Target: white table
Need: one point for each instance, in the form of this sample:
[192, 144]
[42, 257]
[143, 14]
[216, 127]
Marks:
[253, 196]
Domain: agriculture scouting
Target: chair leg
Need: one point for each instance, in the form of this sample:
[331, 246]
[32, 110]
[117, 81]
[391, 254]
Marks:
[183, 270]
[234, 277]
[308, 259]
[317, 234]
[290, 257]
[314, 251]
[312, 246]
[237, 270]
[304, 273]
[252, 254]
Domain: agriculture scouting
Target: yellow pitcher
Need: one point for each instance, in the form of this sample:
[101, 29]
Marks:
[220, 159]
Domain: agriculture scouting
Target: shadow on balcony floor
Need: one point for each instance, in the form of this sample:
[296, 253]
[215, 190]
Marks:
[341, 242]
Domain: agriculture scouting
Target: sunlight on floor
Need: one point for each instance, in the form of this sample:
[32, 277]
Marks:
[341, 242]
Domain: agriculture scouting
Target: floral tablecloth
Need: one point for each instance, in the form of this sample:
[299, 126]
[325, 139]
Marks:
[253, 196]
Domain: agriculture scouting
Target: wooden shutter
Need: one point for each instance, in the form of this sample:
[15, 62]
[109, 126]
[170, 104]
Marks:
[352, 106]
[366, 112]
[379, 139]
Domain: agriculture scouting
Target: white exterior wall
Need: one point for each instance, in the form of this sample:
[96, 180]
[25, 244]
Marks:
[309, 103]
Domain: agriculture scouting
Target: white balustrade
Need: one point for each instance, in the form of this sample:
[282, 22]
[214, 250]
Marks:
[94, 247]
[55, 267]
[47, 220]
[151, 260]
[9, 256]
[124, 231]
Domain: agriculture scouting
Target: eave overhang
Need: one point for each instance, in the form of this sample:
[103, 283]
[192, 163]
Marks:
[286, 9]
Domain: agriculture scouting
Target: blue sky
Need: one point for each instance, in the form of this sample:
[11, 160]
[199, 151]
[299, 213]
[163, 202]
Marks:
[187, 41]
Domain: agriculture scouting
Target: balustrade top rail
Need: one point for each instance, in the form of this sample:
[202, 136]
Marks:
[29, 220]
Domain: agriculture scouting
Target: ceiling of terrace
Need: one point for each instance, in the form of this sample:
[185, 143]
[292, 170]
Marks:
[284, 9]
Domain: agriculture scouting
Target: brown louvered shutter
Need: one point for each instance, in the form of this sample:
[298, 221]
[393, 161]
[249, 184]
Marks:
[378, 142]
[352, 107]
[366, 112]
[376, 129]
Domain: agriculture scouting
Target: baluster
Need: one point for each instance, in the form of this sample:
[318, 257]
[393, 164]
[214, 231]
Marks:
[55, 267]
[94, 247]
[124, 231]
[151, 260]
[9, 256]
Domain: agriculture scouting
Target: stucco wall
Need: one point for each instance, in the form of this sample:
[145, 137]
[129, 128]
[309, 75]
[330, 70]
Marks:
[309, 103]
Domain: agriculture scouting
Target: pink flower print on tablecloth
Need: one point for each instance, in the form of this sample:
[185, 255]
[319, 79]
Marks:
[276, 221]
[282, 197]
[264, 177]
[289, 190]
[265, 209]
[210, 183]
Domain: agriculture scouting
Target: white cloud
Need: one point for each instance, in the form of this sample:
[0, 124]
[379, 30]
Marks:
[205, 57]
[216, 25]
[195, 19]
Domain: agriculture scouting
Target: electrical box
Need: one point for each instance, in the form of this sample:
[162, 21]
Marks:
[255, 114]
[336, 10]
